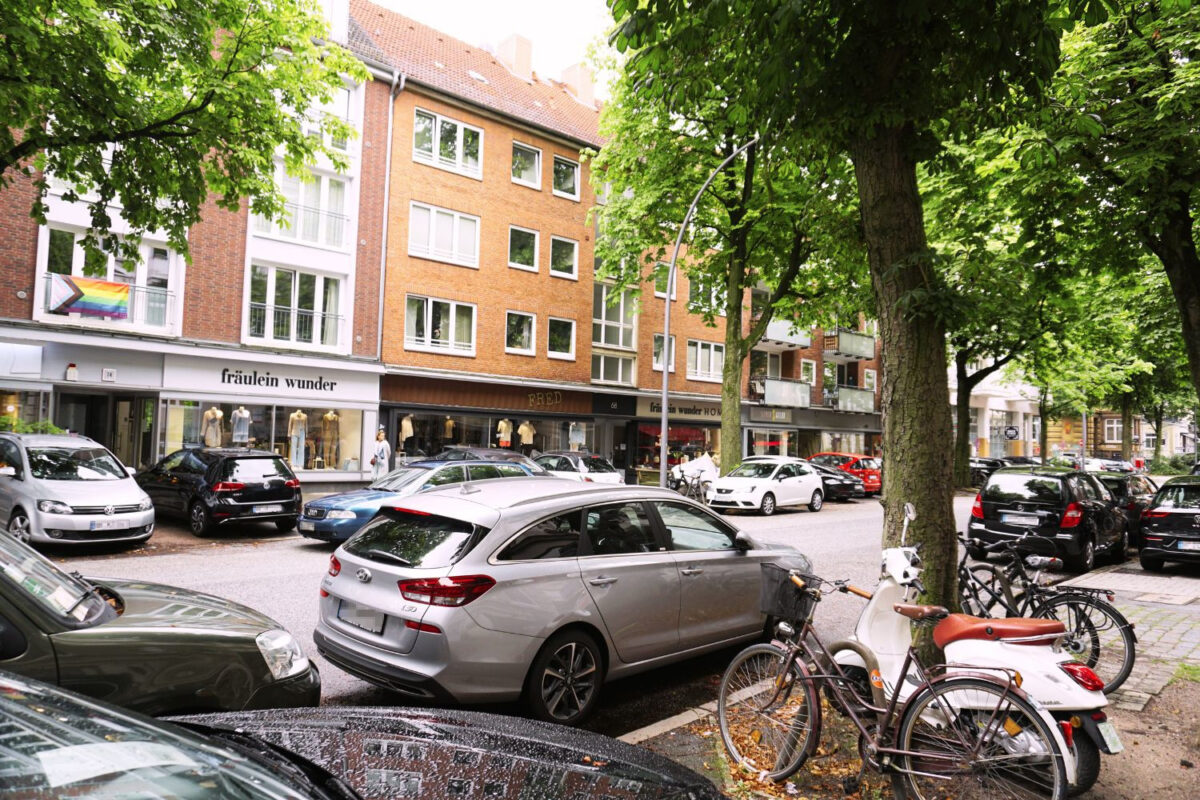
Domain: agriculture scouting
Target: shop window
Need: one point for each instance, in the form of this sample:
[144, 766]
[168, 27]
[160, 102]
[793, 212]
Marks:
[291, 306]
[522, 248]
[706, 361]
[658, 354]
[314, 210]
[443, 235]
[564, 257]
[518, 333]
[526, 165]
[683, 441]
[566, 178]
[447, 144]
[612, 317]
[560, 340]
[612, 369]
[439, 326]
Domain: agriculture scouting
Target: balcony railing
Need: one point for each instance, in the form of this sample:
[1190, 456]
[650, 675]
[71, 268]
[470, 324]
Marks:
[307, 224]
[846, 345]
[780, 330]
[290, 324]
[781, 392]
[849, 398]
[107, 302]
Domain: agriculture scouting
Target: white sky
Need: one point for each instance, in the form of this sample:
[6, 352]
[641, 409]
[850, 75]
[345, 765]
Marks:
[560, 30]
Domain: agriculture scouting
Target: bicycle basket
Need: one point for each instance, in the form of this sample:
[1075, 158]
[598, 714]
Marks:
[778, 596]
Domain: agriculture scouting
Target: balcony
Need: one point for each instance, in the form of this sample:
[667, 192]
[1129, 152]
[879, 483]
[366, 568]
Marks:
[849, 398]
[846, 346]
[296, 326]
[107, 304]
[306, 225]
[780, 392]
[780, 337]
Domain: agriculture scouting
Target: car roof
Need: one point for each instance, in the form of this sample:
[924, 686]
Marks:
[52, 439]
[234, 452]
[1182, 480]
[1032, 469]
[433, 463]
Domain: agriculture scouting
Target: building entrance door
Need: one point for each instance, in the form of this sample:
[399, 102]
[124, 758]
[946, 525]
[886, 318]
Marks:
[85, 414]
[133, 430]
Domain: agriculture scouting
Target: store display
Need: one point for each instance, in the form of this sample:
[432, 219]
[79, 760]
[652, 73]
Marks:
[240, 421]
[526, 433]
[212, 428]
[407, 440]
[297, 438]
[504, 432]
[330, 437]
[448, 430]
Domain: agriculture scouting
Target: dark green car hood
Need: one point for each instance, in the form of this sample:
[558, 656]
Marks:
[155, 605]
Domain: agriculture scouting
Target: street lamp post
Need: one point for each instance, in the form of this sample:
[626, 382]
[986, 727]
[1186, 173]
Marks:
[666, 349]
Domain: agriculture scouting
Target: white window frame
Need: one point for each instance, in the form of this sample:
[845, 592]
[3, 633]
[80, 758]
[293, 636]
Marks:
[536, 150]
[429, 252]
[574, 275]
[1112, 430]
[869, 379]
[318, 312]
[341, 106]
[656, 363]
[578, 179]
[537, 245]
[568, 356]
[810, 366]
[626, 299]
[331, 227]
[667, 274]
[621, 359]
[434, 159]
[417, 346]
[707, 376]
[532, 350]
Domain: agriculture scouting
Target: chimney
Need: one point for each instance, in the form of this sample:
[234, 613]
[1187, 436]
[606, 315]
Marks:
[516, 53]
[578, 79]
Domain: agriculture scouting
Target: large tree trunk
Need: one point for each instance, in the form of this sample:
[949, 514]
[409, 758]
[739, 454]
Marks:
[1043, 427]
[916, 416]
[962, 411]
[1159, 411]
[1126, 426]
[1175, 247]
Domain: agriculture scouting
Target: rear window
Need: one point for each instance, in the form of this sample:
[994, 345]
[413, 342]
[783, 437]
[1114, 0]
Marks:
[411, 539]
[830, 461]
[251, 470]
[1177, 497]
[867, 463]
[1115, 485]
[598, 464]
[1003, 488]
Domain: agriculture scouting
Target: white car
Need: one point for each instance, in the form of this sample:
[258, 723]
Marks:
[766, 484]
[576, 466]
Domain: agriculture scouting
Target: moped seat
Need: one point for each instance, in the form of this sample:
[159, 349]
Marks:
[957, 627]
[913, 611]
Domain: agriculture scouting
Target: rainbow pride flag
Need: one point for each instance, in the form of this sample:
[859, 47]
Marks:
[89, 296]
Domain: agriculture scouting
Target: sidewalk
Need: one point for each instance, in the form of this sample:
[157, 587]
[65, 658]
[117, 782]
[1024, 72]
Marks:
[1165, 612]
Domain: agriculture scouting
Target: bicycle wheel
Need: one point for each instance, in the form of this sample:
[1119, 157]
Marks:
[1097, 635]
[984, 597]
[971, 739]
[769, 715]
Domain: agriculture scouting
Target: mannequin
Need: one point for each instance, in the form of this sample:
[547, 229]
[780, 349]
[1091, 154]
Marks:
[240, 420]
[297, 433]
[448, 430]
[211, 428]
[504, 432]
[575, 436]
[381, 456]
[406, 435]
[330, 432]
[526, 432]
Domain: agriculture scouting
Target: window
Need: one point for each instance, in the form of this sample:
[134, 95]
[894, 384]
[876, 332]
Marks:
[287, 305]
[765, 365]
[808, 371]
[522, 248]
[692, 529]
[566, 178]
[658, 355]
[314, 211]
[612, 369]
[705, 361]
[662, 274]
[560, 339]
[439, 325]
[564, 257]
[443, 235]
[705, 295]
[869, 379]
[527, 165]
[518, 333]
[340, 106]
[556, 537]
[448, 144]
[612, 317]
[1112, 429]
[619, 529]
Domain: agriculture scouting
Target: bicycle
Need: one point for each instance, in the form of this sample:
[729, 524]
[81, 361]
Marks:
[961, 735]
[695, 487]
[1097, 633]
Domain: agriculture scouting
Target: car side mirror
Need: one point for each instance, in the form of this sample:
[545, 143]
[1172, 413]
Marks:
[8, 472]
[742, 543]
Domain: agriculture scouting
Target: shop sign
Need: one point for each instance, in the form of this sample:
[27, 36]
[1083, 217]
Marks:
[782, 415]
[186, 373]
[1011, 432]
[679, 409]
[622, 404]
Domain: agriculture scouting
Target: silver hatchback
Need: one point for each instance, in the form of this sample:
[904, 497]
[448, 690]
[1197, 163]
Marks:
[538, 589]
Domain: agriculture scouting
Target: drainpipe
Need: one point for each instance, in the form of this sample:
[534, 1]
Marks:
[398, 79]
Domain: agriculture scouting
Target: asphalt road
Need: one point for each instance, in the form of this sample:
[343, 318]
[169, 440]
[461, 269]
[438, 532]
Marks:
[280, 574]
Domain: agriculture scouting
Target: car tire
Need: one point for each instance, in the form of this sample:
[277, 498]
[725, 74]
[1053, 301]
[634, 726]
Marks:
[19, 525]
[767, 507]
[564, 680]
[1151, 564]
[198, 519]
[285, 525]
[1119, 553]
[1086, 560]
[817, 502]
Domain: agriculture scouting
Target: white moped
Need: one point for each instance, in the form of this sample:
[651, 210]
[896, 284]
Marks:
[1027, 651]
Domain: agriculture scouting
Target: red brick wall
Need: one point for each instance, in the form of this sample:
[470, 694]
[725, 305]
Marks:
[684, 326]
[369, 247]
[212, 301]
[18, 246]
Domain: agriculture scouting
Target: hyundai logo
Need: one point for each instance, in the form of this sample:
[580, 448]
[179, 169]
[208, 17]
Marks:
[109, 511]
[363, 574]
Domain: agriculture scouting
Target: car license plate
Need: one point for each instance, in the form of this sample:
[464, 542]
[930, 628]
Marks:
[307, 526]
[1189, 545]
[1028, 520]
[366, 618]
[273, 508]
[108, 525]
[1109, 732]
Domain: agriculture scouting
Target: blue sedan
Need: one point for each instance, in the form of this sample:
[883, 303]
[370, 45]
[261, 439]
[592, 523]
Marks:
[337, 517]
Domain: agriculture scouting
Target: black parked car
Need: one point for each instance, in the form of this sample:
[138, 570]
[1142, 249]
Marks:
[1171, 525]
[1070, 509]
[1133, 494]
[216, 486]
[839, 485]
[982, 468]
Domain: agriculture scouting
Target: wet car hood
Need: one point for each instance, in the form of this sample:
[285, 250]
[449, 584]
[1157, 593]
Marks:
[154, 605]
[359, 498]
[435, 753]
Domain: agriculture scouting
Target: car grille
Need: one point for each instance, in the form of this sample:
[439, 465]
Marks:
[127, 509]
[724, 491]
[314, 512]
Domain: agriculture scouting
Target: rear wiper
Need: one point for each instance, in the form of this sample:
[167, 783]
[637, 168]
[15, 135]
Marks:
[390, 556]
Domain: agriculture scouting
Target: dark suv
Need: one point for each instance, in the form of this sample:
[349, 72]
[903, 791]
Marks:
[215, 486]
[1171, 525]
[1071, 509]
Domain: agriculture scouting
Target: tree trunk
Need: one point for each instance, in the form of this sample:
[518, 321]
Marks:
[1126, 426]
[1175, 247]
[1159, 412]
[916, 417]
[1043, 428]
[962, 411]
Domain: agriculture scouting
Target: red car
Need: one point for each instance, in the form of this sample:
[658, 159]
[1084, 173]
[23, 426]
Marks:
[858, 465]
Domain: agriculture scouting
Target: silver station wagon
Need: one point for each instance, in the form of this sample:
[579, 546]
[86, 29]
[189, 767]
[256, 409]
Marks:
[539, 589]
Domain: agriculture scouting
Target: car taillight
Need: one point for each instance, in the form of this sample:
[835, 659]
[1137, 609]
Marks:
[1083, 675]
[455, 591]
[422, 627]
[292, 484]
[977, 507]
[228, 486]
[1071, 516]
[1154, 515]
[335, 566]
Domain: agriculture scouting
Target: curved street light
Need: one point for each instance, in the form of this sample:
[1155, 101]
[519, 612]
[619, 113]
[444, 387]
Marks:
[666, 349]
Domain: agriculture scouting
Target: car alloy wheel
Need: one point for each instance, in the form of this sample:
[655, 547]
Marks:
[565, 678]
[19, 526]
[768, 504]
[1086, 560]
[198, 518]
[817, 501]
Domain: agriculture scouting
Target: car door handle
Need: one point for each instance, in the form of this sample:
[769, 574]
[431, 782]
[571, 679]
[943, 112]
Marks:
[691, 571]
[602, 580]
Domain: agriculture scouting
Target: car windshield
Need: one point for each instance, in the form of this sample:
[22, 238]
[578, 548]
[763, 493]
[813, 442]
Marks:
[58, 592]
[413, 539]
[1002, 487]
[63, 746]
[74, 464]
[254, 469]
[597, 464]
[398, 479]
[1182, 496]
[753, 469]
